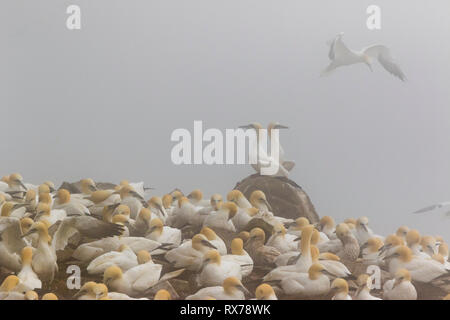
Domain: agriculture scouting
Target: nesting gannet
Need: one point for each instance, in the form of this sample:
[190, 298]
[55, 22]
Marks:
[261, 254]
[340, 289]
[214, 271]
[421, 269]
[130, 198]
[44, 212]
[44, 257]
[15, 183]
[164, 234]
[370, 252]
[28, 278]
[63, 200]
[429, 245]
[258, 200]
[98, 199]
[281, 240]
[184, 214]
[196, 198]
[265, 292]
[331, 263]
[86, 291]
[364, 283]
[124, 258]
[162, 294]
[303, 263]
[231, 289]
[91, 250]
[238, 197]
[221, 219]
[413, 242]
[313, 283]
[9, 289]
[402, 232]
[240, 256]
[101, 292]
[49, 296]
[400, 288]
[189, 254]
[11, 209]
[341, 55]
[214, 239]
[136, 280]
[167, 201]
[391, 243]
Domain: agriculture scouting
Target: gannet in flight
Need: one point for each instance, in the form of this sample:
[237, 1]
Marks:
[341, 55]
[434, 207]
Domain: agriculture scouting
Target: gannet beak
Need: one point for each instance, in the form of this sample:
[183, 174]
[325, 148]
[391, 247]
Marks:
[23, 186]
[208, 244]
[248, 126]
[280, 126]
[93, 188]
[243, 289]
[298, 238]
[28, 233]
[268, 205]
[52, 189]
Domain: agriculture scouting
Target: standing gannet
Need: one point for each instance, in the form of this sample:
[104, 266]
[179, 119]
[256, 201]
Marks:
[259, 153]
[303, 263]
[261, 254]
[28, 278]
[400, 288]
[44, 257]
[164, 234]
[364, 283]
[340, 289]
[189, 255]
[11, 243]
[288, 165]
[421, 269]
[221, 219]
[136, 280]
[156, 206]
[363, 232]
[313, 283]
[240, 256]
[350, 247]
[231, 289]
[265, 292]
[341, 55]
[124, 258]
[9, 290]
[214, 271]
[62, 200]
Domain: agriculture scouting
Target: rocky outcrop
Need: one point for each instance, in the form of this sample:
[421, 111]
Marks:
[287, 198]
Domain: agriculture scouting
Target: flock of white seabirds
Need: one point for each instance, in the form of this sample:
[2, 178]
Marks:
[118, 237]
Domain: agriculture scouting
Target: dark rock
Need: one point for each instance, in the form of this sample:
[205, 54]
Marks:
[287, 198]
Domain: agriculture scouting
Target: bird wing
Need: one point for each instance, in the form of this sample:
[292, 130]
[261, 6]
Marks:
[11, 234]
[338, 49]
[383, 54]
[433, 207]
[95, 228]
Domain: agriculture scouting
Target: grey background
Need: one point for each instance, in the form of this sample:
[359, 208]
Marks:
[102, 102]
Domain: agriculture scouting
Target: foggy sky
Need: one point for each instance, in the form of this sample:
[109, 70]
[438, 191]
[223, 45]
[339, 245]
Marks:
[103, 101]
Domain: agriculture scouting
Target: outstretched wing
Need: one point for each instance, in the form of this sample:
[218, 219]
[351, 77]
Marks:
[97, 229]
[11, 234]
[432, 207]
[383, 55]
